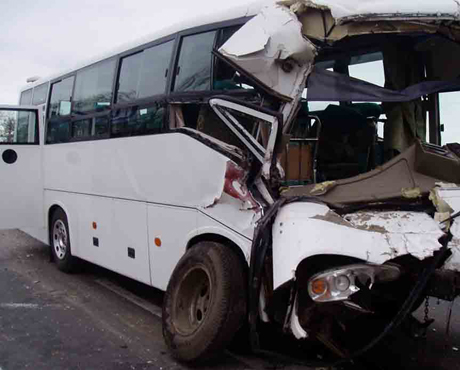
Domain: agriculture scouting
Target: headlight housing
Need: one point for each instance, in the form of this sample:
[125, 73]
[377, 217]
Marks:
[340, 283]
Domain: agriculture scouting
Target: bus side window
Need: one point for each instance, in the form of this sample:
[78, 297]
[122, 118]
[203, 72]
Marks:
[225, 76]
[138, 120]
[145, 73]
[40, 94]
[90, 128]
[26, 97]
[93, 88]
[193, 70]
[58, 125]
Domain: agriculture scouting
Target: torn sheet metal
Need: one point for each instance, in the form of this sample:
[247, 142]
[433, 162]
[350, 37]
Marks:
[330, 21]
[303, 230]
[446, 198]
[343, 10]
[271, 48]
[234, 206]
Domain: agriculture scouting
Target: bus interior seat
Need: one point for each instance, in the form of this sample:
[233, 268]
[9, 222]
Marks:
[298, 158]
[347, 139]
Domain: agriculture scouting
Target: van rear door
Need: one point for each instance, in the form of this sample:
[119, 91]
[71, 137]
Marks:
[21, 175]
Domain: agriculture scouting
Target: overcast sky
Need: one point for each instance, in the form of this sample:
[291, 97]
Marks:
[40, 37]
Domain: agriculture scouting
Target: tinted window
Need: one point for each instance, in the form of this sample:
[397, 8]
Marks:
[129, 78]
[138, 121]
[93, 88]
[81, 128]
[155, 70]
[40, 94]
[225, 34]
[144, 74]
[61, 96]
[26, 97]
[100, 126]
[90, 127]
[18, 127]
[58, 130]
[193, 71]
[225, 76]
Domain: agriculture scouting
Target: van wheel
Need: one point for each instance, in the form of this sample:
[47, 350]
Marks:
[60, 241]
[205, 302]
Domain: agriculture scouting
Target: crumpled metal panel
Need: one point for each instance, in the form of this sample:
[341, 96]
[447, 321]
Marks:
[271, 48]
[303, 230]
[343, 10]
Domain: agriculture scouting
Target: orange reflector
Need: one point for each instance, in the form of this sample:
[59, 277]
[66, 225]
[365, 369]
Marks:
[158, 242]
[94, 225]
[319, 286]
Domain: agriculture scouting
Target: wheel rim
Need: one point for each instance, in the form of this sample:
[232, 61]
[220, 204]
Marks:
[60, 239]
[194, 298]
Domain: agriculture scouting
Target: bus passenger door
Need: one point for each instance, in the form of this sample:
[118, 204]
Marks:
[21, 178]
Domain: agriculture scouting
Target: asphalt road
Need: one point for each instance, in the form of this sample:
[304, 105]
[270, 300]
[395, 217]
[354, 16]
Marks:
[96, 319]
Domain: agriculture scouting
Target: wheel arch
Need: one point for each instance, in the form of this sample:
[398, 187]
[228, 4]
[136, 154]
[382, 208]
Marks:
[218, 238]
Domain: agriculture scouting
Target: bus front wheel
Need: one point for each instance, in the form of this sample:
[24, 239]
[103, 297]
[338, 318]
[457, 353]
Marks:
[205, 302]
[60, 241]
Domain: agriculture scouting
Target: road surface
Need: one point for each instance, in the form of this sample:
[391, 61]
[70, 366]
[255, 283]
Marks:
[96, 319]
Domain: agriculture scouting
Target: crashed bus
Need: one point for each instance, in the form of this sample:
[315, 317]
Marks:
[196, 162]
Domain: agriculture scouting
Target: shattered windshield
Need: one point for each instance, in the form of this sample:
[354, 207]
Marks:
[367, 100]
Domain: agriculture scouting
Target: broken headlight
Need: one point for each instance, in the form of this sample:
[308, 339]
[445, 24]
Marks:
[340, 283]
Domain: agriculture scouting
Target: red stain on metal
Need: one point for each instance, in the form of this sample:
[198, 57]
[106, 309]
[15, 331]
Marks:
[235, 185]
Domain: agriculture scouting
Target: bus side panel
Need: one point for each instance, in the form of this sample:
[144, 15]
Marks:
[113, 234]
[208, 225]
[170, 229]
[172, 169]
[109, 232]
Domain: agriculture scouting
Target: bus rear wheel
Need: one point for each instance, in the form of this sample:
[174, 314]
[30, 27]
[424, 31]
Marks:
[60, 241]
[205, 302]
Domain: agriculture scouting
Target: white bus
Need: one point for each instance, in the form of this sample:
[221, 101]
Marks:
[240, 165]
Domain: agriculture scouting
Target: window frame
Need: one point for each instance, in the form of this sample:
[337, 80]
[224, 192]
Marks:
[139, 50]
[168, 95]
[88, 67]
[31, 96]
[144, 105]
[37, 124]
[47, 84]
[177, 57]
[48, 105]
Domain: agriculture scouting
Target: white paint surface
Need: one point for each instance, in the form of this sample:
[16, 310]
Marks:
[351, 8]
[302, 230]
[21, 183]
[260, 46]
[167, 186]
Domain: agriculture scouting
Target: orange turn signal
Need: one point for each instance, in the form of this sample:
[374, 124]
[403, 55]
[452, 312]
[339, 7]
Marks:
[158, 242]
[318, 286]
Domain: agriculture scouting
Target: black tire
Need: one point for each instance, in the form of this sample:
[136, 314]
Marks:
[59, 236]
[205, 302]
